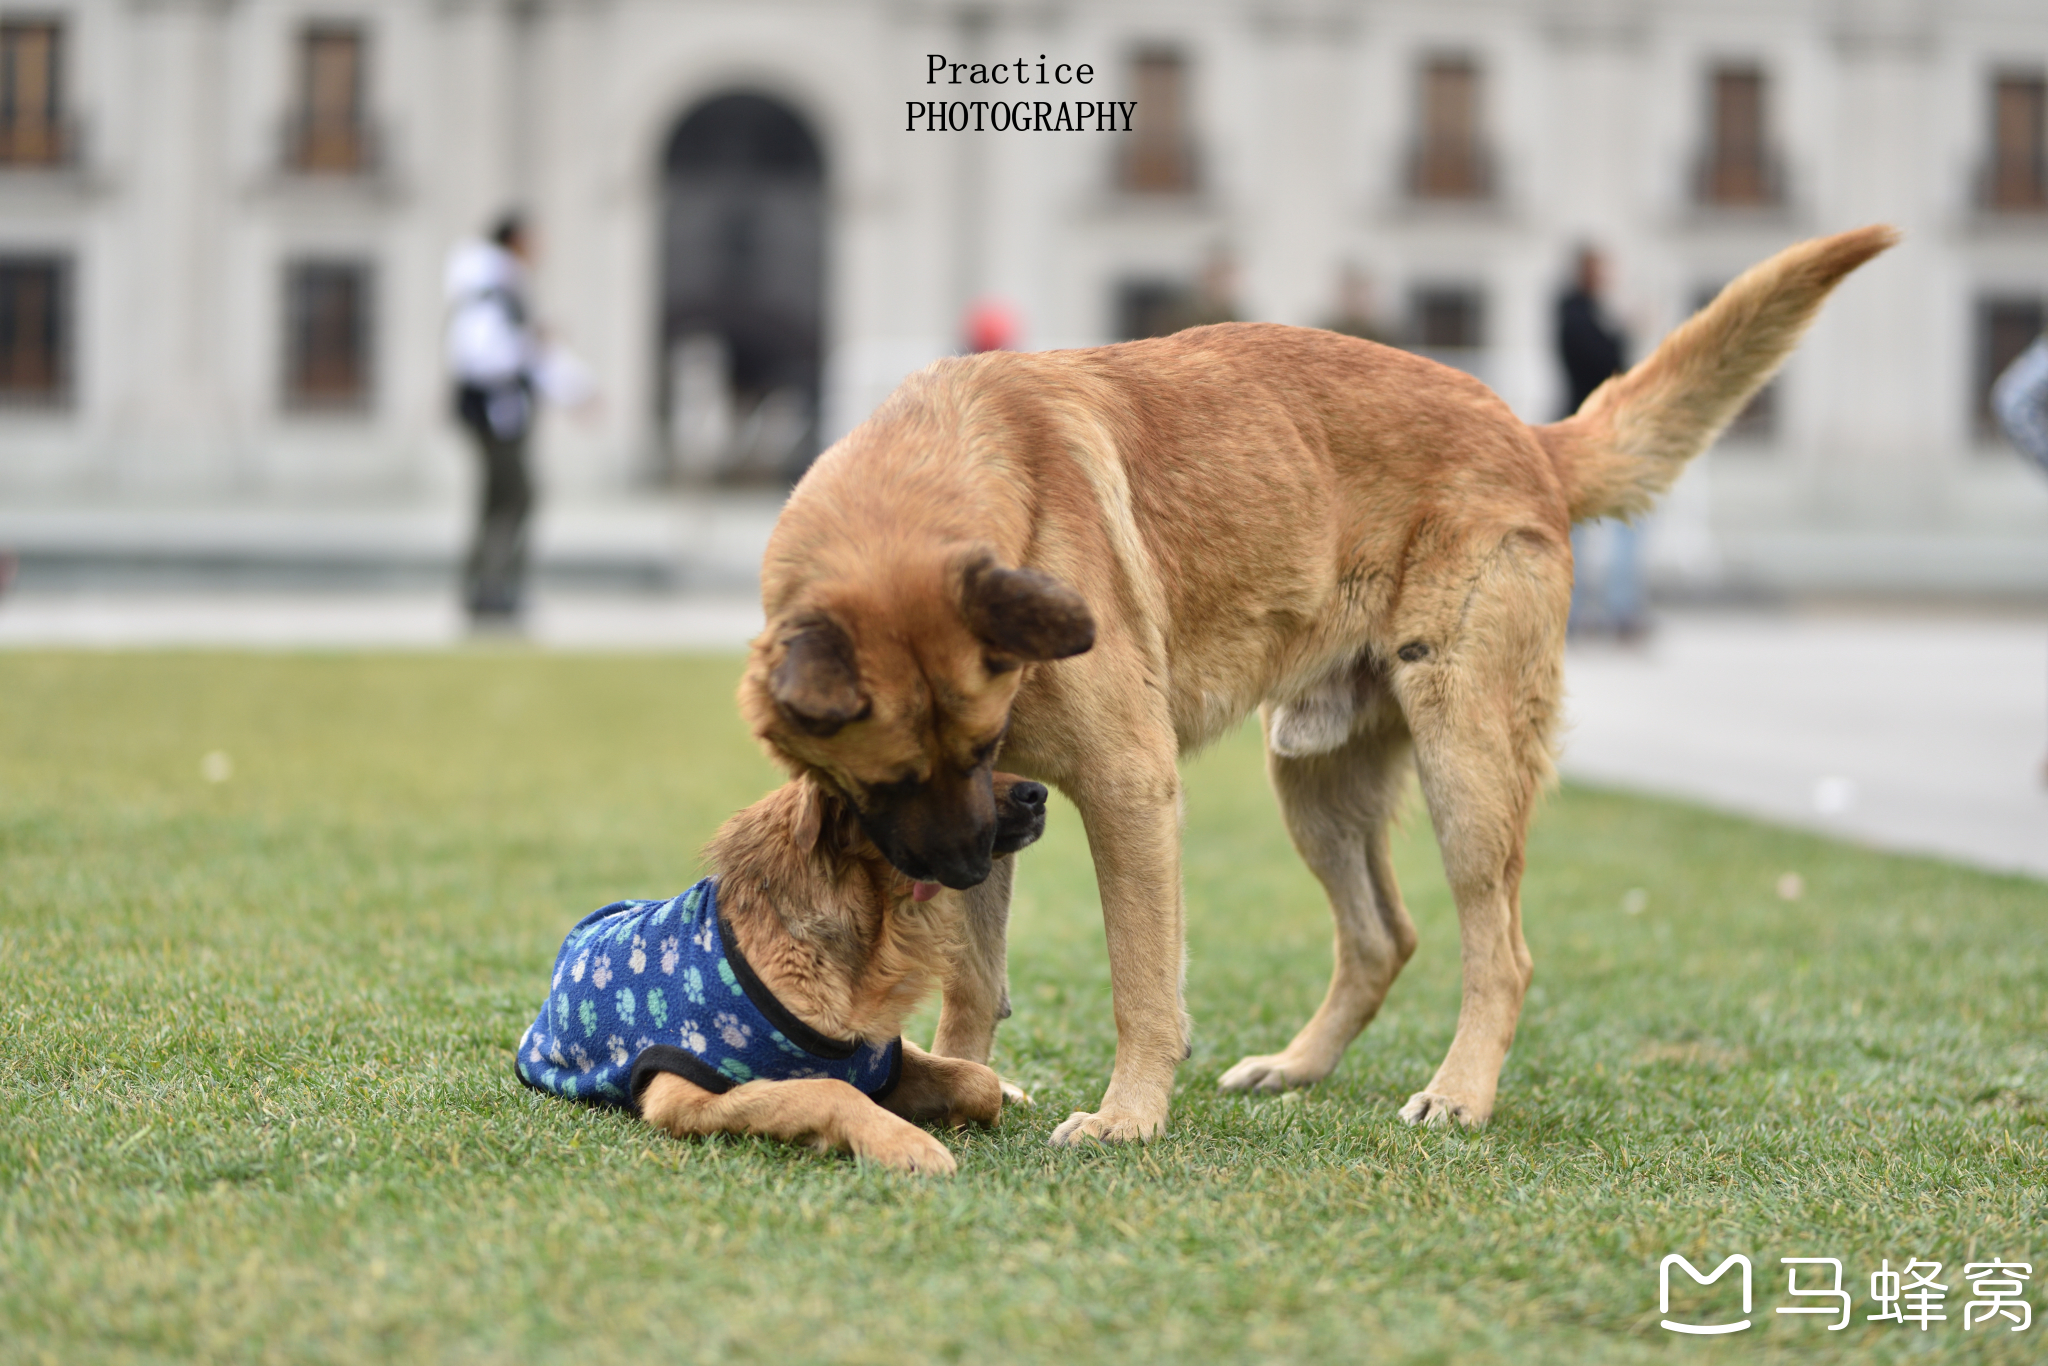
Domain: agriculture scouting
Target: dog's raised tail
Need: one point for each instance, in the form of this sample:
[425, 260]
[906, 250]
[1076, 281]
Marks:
[1631, 438]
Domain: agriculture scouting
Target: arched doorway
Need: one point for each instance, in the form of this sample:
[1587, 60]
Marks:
[743, 254]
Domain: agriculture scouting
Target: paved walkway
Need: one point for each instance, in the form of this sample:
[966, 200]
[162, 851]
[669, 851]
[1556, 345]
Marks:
[420, 620]
[1916, 732]
[702, 541]
[1922, 733]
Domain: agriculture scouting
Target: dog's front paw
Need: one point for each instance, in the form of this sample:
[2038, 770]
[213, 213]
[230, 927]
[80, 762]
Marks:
[906, 1148]
[1271, 1072]
[1436, 1109]
[978, 1096]
[1013, 1094]
[1105, 1127]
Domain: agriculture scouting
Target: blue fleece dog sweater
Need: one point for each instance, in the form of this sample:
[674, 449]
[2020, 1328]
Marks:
[644, 987]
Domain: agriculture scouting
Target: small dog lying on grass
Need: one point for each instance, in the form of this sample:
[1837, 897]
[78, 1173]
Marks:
[769, 998]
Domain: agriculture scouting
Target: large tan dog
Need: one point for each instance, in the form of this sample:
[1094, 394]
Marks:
[1367, 545]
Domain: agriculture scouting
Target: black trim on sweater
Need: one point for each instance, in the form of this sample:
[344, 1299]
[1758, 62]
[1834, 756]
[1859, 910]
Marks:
[657, 1058]
[793, 1029]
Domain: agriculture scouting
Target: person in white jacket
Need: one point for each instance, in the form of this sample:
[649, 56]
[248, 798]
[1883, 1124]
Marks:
[495, 358]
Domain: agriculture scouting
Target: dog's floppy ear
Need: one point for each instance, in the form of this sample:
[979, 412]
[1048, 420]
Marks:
[1020, 614]
[817, 812]
[816, 685]
[826, 829]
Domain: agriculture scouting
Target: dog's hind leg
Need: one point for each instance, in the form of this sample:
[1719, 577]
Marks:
[1339, 806]
[1481, 706]
[976, 992]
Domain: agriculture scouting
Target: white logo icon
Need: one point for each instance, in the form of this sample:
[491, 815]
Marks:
[1664, 1292]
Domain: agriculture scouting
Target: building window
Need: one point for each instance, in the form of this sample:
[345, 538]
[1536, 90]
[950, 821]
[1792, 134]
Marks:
[2017, 176]
[2006, 326]
[329, 131]
[1737, 169]
[1450, 160]
[32, 125]
[1757, 423]
[35, 330]
[1447, 318]
[327, 334]
[1159, 156]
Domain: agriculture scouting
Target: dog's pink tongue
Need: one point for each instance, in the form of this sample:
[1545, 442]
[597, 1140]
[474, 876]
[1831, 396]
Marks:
[923, 891]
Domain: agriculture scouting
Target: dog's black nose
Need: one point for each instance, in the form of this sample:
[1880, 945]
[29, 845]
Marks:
[1028, 794]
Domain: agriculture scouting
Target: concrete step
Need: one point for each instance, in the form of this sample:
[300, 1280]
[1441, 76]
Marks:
[701, 542]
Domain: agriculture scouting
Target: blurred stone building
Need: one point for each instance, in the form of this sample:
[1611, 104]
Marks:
[223, 222]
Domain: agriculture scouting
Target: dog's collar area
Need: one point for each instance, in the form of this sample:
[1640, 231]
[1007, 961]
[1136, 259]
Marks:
[778, 1014]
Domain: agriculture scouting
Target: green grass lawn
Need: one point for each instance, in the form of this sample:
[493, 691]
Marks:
[256, 1100]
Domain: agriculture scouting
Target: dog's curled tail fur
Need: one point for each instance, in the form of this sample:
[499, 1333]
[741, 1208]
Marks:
[1632, 436]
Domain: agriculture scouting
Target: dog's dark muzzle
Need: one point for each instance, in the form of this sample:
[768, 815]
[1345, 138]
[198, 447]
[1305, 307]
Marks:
[957, 866]
[952, 857]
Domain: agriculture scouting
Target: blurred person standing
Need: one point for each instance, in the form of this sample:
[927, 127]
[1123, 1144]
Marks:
[494, 357]
[2020, 398]
[1215, 299]
[1355, 316]
[1610, 598]
[1212, 299]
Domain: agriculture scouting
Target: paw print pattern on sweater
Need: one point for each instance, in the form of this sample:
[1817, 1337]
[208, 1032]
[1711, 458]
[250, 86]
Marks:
[594, 1028]
[730, 1029]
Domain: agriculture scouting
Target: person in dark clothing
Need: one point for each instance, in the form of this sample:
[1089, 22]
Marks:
[1355, 316]
[1607, 591]
[493, 356]
[1591, 350]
